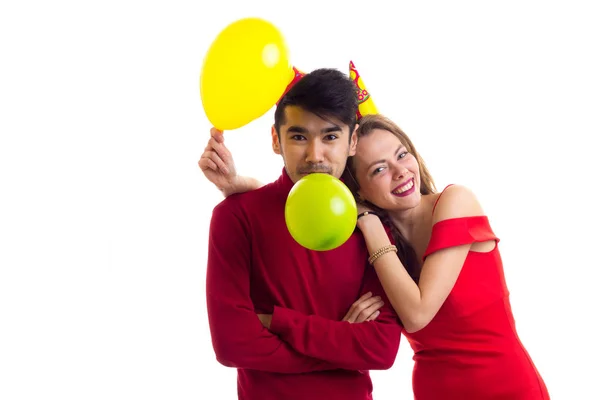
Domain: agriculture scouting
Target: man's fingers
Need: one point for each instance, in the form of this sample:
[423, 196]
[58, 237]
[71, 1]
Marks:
[360, 305]
[207, 163]
[352, 312]
[347, 317]
[374, 316]
[362, 298]
[367, 308]
[220, 148]
[214, 157]
[217, 135]
[368, 312]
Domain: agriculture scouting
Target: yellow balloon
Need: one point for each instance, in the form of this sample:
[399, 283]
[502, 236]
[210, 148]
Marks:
[245, 71]
[320, 212]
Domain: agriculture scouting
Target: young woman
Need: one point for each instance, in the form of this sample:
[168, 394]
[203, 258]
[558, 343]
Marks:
[444, 277]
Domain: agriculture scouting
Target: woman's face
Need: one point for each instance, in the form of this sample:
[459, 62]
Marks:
[387, 174]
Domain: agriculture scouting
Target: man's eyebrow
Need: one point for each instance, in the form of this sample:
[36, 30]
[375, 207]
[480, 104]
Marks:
[330, 129]
[296, 129]
[300, 129]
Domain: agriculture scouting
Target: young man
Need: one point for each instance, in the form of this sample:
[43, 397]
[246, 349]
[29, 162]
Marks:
[275, 308]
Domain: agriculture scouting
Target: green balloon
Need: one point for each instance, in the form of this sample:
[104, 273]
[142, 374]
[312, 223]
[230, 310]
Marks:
[320, 212]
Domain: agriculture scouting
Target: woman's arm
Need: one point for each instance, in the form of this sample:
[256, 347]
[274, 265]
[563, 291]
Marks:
[416, 305]
[218, 167]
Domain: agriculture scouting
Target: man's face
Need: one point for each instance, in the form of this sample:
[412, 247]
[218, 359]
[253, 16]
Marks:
[311, 144]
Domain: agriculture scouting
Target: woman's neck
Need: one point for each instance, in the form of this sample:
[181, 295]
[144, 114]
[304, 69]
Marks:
[413, 221]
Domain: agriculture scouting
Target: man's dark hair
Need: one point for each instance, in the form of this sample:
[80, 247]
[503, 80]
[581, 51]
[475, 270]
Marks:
[325, 92]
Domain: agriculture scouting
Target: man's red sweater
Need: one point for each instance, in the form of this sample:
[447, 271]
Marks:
[255, 266]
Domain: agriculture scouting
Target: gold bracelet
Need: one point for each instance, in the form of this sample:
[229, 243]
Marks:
[382, 251]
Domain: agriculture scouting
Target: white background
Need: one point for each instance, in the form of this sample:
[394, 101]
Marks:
[104, 215]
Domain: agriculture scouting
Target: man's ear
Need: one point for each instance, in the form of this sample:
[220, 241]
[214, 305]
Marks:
[275, 138]
[353, 141]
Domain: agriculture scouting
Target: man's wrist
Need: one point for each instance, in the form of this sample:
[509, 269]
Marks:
[234, 186]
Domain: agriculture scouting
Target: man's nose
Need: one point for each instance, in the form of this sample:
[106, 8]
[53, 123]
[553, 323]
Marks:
[315, 152]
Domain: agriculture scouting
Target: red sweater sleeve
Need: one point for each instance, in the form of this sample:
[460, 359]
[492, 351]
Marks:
[239, 339]
[363, 346]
